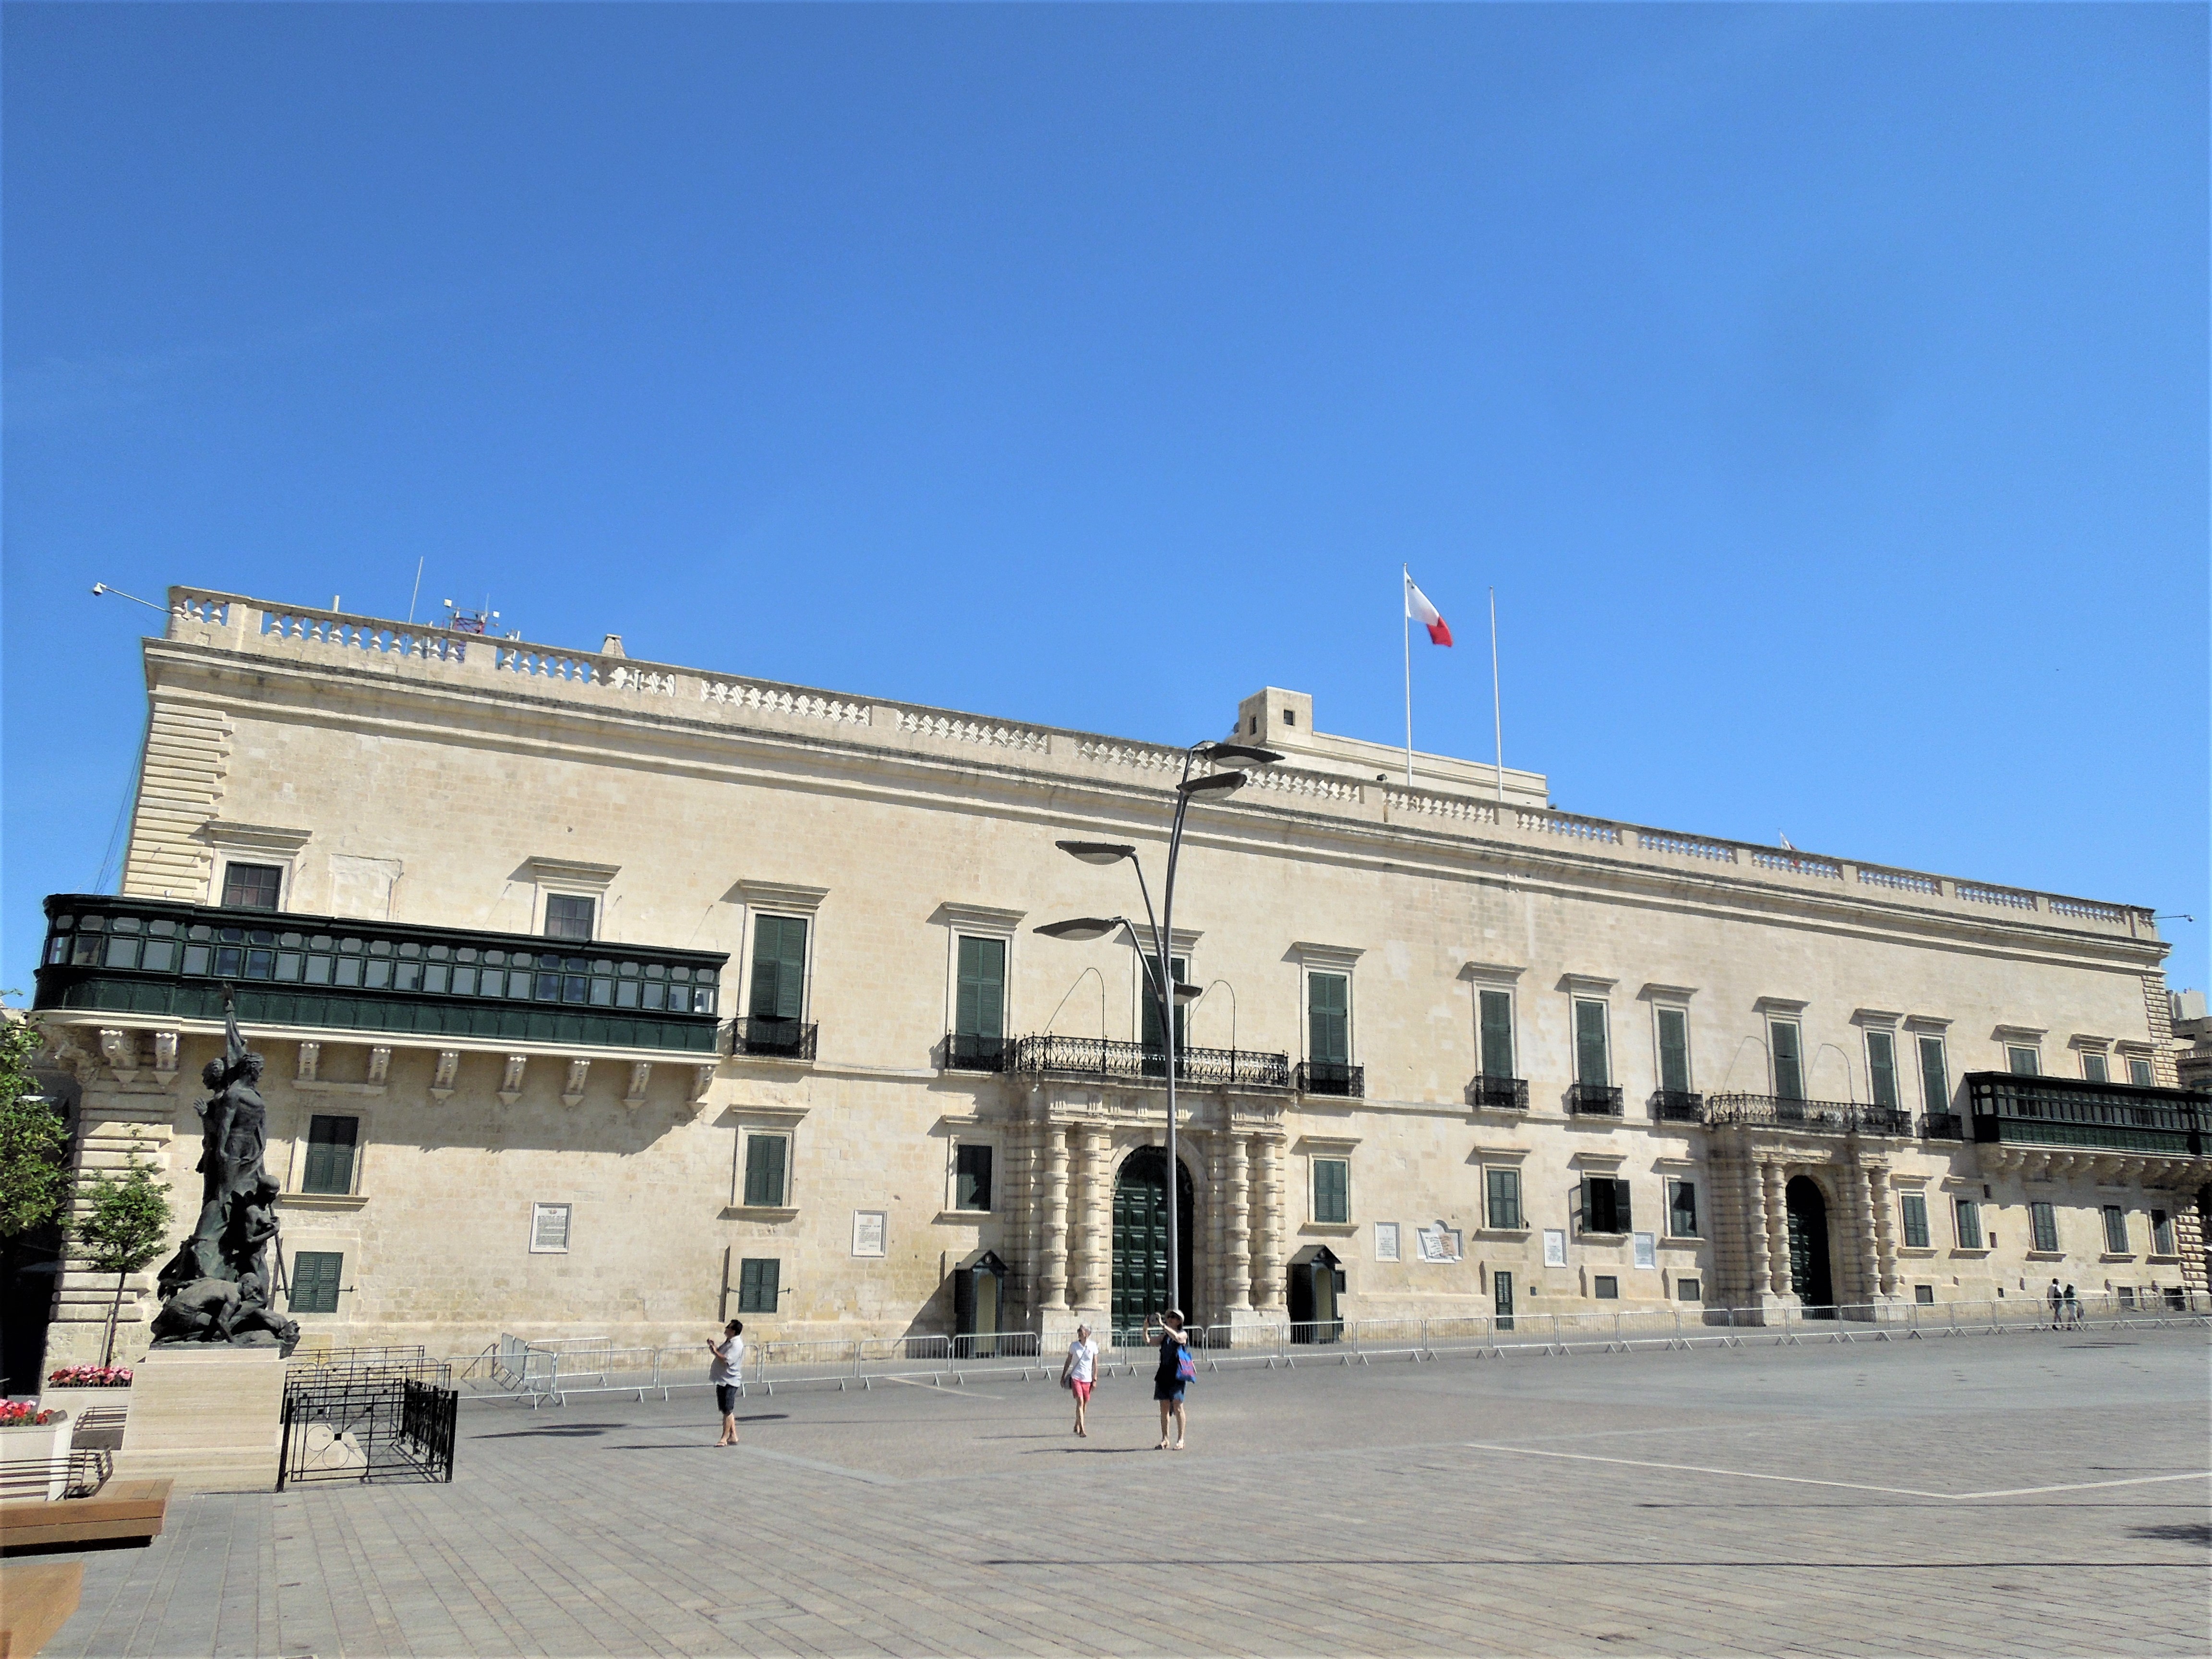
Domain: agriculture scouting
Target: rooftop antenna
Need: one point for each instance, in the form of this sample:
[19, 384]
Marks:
[98, 588]
[417, 593]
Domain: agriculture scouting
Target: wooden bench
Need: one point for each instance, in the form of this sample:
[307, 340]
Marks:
[36, 1599]
[121, 1508]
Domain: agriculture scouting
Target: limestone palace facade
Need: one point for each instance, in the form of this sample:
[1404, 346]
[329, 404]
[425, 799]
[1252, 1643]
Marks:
[604, 997]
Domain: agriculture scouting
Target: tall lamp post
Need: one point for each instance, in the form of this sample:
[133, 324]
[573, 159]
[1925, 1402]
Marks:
[1159, 970]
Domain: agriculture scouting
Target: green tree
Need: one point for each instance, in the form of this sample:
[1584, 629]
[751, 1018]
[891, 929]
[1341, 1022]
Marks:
[121, 1226]
[35, 1180]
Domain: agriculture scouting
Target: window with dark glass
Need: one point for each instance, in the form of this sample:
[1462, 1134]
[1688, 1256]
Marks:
[1682, 1209]
[1914, 1207]
[979, 1016]
[1605, 1205]
[1506, 1199]
[315, 1281]
[757, 1284]
[1674, 1050]
[1606, 1287]
[2093, 1067]
[1332, 1185]
[971, 1177]
[1787, 1044]
[1329, 1020]
[1881, 1068]
[1688, 1290]
[568, 916]
[1593, 1064]
[779, 990]
[765, 1161]
[2043, 1225]
[2161, 1233]
[1497, 1013]
[1153, 1037]
[253, 886]
[331, 1142]
[1935, 1076]
[2116, 1230]
[1967, 1213]
[1924, 1295]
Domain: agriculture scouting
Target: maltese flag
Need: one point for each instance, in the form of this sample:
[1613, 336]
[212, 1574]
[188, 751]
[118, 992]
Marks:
[1418, 608]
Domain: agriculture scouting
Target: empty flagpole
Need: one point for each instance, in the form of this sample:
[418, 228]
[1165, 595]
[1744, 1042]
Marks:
[1497, 711]
[1406, 605]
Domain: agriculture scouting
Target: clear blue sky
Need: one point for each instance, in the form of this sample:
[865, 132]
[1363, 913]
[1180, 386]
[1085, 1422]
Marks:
[1823, 389]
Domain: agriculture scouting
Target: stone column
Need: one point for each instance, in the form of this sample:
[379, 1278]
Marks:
[1268, 1223]
[1214, 1273]
[1052, 1267]
[1236, 1249]
[1866, 1271]
[1094, 1221]
[1884, 1227]
[1755, 1229]
[1778, 1229]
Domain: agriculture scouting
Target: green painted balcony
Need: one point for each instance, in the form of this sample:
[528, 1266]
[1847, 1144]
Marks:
[2065, 1111]
[170, 961]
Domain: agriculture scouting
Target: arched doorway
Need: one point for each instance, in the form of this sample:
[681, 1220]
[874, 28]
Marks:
[1141, 1236]
[1808, 1247]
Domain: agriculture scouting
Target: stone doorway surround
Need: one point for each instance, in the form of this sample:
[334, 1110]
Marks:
[1753, 1169]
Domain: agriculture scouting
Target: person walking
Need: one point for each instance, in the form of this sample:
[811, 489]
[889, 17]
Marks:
[1176, 1372]
[2073, 1310]
[727, 1374]
[1079, 1374]
[2058, 1300]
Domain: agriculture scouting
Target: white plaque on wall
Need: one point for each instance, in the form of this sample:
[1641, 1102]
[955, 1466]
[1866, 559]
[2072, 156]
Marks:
[1647, 1251]
[868, 1232]
[1555, 1247]
[1386, 1241]
[1438, 1243]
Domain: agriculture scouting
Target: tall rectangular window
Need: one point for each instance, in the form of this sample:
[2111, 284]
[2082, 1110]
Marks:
[757, 1284]
[1329, 1018]
[2161, 1233]
[1787, 1044]
[1497, 1013]
[1674, 1049]
[568, 916]
[1332, 1194]
[1966, 1213]
[1881, 1068]
[2116, 1230]
[331, 1142]
[767, 1163]
[1914, 1209]
[2021, 1060]
[971, 1177]
[2139, 1071]
[779, 968]
[1593, 1064]
[1605, 1205]
[1681, 1209]
[1153, 1036]
[315, 1281]
[253, 886]
[1504, 1197]
[979, 1006]
[1935, 1076]
[2043, 1225]
[2093, 1067]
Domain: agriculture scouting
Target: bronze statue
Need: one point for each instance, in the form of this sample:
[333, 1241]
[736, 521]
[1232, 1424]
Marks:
[213, 1290]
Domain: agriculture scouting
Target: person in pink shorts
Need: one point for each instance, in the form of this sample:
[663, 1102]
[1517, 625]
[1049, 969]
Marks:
[1079, 1374]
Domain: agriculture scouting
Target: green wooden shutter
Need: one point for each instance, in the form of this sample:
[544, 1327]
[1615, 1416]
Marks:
[1153, 1036]
[1881, 1068]
[315, 1276]
[2043, 1225]
[779, 966]
[330, 1155]
[1504, 1199]
[1590, 1060]
[2024, 1062]
[1329, 1018]
[764, 1156]
[1331, 1201]
[1788, 1059]
[1682, 1209]
[757, 1286]
[1935, 1083]
[979, 1007]
[1674, 1050]
[971, 1178]
[1623, 1216]
[1497, 1034]
[1916, 1221]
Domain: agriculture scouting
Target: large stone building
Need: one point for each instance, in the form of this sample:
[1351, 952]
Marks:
[606, 998]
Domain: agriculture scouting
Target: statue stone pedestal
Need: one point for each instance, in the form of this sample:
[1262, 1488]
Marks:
[208, 1416]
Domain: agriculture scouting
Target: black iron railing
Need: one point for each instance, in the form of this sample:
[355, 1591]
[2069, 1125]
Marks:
[967, 1052]
[153, 957]
[1594, 1099]
[1332, 1076]
[773, 1037]
[2058, 1111]
[1819, 1117]
[366, 1425]
[1499, 1094]
[1133, 1062]
[1677, 1106]
[1942, 1126]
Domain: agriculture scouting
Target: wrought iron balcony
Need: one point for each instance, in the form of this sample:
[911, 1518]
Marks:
[1594, 1099]
[1499, 1094]
[1819, 1117]
[2058, 1111]
[1332, 1076]
[1942, 1126]
[1677, 1106]
[1133, 1062]
[171, 961]
[968, 1052]
[770, 1037]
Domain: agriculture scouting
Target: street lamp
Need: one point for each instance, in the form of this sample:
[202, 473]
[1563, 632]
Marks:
[1167, 992]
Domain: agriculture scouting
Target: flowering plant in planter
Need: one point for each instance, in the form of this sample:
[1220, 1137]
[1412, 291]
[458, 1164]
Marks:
[90, 1377]
[15, 1414]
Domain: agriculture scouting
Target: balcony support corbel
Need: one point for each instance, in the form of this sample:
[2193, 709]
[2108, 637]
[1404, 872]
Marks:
[510, 1083]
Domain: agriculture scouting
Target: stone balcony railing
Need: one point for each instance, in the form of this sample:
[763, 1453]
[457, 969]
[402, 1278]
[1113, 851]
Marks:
[423, 655]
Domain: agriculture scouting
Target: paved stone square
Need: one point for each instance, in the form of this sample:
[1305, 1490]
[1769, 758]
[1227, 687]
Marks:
[1984, 1495]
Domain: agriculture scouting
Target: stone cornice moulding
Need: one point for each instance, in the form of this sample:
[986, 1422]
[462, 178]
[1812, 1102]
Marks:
[2084, 1044]
[990, 919]
[572, 873]
[2020, 1033]
[780, 895]
[1780, 1005]
[1587, 985]
[1346, 956]
[1655, 992]
[253, 838]
[1598, 1160]
[1499, 974]
[1931, 1024]
[1326, 1145]
[1500, 1154]
[1879, 1019]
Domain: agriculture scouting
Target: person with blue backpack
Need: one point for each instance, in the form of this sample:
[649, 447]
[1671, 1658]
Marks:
[1178, 1369]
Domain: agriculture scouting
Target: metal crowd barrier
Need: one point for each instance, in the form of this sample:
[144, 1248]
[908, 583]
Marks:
[549, 1372]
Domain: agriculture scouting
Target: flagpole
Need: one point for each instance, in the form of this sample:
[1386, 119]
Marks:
[1497, 711]
[1406, 607]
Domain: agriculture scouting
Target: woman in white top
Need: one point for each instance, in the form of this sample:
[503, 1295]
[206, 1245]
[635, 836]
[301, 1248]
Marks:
[727, 1374]
[1079, 1374]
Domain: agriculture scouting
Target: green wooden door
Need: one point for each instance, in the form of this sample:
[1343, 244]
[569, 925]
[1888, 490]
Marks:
[1810, 1275]
[1141, 1237]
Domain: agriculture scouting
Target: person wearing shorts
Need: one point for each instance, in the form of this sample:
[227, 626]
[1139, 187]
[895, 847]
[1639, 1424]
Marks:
[1079, 1375]
[727, 1374]
[1168, 1383]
